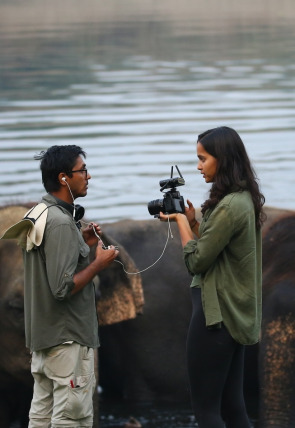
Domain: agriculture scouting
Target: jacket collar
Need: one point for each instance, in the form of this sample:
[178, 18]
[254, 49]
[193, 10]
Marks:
[79, 210]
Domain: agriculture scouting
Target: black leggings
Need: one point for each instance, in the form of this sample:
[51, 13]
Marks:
[215, 368]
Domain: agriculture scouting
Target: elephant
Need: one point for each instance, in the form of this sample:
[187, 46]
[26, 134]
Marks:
[15, 377]
[277, 345]
[144, 359]
[119, 298]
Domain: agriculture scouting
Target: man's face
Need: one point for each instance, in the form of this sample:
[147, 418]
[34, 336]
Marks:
[79, 180]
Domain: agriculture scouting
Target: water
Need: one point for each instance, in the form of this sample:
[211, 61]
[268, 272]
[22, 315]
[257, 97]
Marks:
[134, 86]
[135, 95]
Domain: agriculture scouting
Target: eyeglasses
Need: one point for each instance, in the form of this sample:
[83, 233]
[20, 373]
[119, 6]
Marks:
[81, 170]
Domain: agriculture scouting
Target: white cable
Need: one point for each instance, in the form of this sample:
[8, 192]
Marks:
[143, 270]
[103, 244]
[74, 212]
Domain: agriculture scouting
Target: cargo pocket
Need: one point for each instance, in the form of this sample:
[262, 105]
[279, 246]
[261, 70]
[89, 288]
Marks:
[79, 404]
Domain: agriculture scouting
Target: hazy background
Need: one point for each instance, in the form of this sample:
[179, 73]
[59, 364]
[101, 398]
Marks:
[134, 83]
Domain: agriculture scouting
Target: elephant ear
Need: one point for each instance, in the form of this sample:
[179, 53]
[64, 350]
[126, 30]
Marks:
[120, 295]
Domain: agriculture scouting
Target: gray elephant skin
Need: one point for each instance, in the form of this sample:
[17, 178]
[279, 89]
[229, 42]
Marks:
[143, 358]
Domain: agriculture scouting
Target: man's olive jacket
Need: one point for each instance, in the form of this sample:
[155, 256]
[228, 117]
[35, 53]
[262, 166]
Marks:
[52, 315]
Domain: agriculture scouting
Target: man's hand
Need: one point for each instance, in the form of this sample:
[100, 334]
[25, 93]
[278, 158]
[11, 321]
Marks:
[104, 257]
[90, 232]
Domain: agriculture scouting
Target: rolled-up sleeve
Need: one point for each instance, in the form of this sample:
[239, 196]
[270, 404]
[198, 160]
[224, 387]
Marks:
[62, 254]
[216, 233]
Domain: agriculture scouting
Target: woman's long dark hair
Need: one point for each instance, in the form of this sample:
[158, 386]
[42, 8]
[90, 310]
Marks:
[233, 168]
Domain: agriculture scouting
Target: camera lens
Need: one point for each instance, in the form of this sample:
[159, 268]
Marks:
[155, 206]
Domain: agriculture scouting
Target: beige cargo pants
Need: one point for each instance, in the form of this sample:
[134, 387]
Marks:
[63, 388]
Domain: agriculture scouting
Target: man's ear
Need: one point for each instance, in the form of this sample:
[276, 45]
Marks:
[62, 178]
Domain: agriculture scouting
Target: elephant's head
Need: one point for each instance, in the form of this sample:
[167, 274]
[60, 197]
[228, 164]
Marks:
[14, 357]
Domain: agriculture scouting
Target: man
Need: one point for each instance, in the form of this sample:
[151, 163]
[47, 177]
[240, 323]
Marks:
[60, 314]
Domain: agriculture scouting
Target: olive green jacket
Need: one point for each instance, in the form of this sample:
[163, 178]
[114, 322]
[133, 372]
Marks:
[52, 314]
[226, 263]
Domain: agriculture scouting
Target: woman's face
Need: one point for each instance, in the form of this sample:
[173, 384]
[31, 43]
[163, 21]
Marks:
[207, 164]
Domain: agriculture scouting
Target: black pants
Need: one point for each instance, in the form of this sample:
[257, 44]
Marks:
[215, 368]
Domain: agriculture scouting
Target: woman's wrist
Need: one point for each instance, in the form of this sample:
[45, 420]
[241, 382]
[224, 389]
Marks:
[193, 224]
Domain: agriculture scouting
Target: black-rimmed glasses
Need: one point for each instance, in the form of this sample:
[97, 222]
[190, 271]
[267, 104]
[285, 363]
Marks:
[81, 170]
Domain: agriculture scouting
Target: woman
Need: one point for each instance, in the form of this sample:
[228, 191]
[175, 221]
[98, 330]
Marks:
[224, 258]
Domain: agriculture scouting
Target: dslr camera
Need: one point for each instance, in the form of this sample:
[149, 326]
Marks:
[172, 201]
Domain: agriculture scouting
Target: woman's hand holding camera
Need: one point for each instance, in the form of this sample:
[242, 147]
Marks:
[186, 222]
[189, 214]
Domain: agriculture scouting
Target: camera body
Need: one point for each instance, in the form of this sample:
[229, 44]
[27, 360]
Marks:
[172, 201]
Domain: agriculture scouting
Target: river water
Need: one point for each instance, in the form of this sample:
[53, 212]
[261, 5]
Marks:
[136, 93]
[134, 86]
